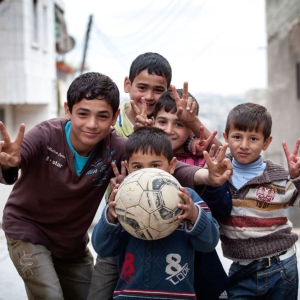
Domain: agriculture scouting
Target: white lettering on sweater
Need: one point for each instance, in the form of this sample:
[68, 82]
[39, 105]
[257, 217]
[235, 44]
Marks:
[177, 272]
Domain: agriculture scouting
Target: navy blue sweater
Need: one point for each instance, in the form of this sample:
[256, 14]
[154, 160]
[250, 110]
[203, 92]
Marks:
[159, 269]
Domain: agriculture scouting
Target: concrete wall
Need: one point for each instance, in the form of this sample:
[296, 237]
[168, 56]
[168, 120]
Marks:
[283, 31]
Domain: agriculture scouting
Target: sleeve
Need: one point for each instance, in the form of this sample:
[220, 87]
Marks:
[205, 232]
[106, 237]
[292, 191]
[185, 174]
[219, 200]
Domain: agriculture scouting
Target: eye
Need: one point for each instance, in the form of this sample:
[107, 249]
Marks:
[137, 167]
[142, 88]
[159, 91]
[82, 114]
[236, 137]
[178, 124]
[254, 139]
[155, 166]
[161, 122]
[103, 117]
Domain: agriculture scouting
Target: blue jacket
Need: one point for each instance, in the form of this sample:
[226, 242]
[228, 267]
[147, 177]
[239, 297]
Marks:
[161, 268]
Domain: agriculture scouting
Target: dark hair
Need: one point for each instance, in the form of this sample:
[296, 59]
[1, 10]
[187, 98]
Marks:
[167, 102]
[93, 85]
[151, 139]
[154, 63]
[250, 116]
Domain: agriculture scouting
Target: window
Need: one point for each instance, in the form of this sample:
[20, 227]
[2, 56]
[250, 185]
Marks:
[45, 28]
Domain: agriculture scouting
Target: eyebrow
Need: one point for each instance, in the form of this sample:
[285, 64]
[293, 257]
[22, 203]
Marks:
[88, 110]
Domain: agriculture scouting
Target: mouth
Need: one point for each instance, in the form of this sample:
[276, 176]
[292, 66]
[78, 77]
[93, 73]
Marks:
[243, 154]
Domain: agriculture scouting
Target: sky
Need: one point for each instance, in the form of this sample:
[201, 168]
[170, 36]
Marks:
[217, 46]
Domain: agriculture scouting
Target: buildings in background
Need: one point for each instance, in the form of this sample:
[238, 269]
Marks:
[33, 37]
[283, 97]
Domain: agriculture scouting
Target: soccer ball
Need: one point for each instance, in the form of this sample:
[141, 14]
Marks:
[146, 204]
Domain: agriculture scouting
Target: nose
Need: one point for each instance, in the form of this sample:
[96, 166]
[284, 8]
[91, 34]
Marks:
[244, 143]
[149, 95]
[169, 128]
[92, 122]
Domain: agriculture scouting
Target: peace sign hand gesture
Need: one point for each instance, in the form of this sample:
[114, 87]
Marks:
[292, 160]
[10, 151]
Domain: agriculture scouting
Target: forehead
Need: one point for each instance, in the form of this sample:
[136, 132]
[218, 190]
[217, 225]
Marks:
[234, 129]
[150, 79]
[166, 115]
[95, 105]
[147, 156]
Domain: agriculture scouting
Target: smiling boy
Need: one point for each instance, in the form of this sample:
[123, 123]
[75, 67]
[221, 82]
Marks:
[257, 236]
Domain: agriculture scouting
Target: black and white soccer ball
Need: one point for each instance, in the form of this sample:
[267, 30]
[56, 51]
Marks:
[146, 204]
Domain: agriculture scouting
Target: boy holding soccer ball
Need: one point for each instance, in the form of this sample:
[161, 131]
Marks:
[161, 268]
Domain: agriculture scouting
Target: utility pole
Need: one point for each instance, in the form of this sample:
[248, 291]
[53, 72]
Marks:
[86, 42]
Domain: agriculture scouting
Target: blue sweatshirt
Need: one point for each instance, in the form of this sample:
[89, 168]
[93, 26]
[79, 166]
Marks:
[159, 269]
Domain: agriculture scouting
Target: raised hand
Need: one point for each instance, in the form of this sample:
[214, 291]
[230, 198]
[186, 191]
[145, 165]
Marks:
[141, 119]
[292, 160]
[10, 151]
[186, 107]
[220, 168]
[201, 144]
[190, 211]
[119, 177]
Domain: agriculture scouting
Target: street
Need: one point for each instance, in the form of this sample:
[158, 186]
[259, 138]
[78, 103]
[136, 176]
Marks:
[11, 285]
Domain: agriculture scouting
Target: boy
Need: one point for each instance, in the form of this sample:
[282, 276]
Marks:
[210, 276]
[152, 262]
[257, 236]
[65, 169]
[149, 77]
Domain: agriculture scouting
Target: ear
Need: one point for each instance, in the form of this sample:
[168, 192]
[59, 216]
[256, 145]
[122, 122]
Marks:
[127, 84]
[115, 117]
[267, 142]
[172, 165]
[225, 137]
[126, 165]
[67, 111]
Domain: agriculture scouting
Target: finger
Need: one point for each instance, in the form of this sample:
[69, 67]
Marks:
[211, 152]
[20, 135]
[222, 152]
[286, 149]
[189, 104]
[201, 134]
[4, 133]
[115, 169]
[211, 137]
[194, 107]
[296, 149]
[175, 94]
[185, 91]
[144, 108]
[123, 168]
[135, 108]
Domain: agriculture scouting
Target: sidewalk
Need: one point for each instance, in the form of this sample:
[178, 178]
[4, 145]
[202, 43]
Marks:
[12, 288]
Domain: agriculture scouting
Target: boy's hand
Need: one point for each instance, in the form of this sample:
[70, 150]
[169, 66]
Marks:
[219, 169]
[292, 160]
[201, 144]
[119, 177]
[111, 212]
[10, 152]
[190, 211]
[141, 119]
[186, 107]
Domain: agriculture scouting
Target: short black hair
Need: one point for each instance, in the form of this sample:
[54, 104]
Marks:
[149, 139]
[167, 102]
[154, 63]
[250, 116]
[93, 85]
